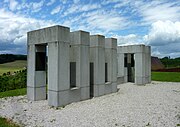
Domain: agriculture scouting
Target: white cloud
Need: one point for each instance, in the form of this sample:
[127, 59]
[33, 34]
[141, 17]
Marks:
[130, 39]
[56, 10]
[12, 5]
[81, 8]
[164, 37]
[50, 2]
[13, 37]
[37, 6]
[157, 10]
[107, 21]
[163, 33]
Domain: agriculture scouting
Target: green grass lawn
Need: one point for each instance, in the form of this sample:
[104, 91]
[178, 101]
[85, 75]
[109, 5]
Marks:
[7, 123]
[166, 76]
[11, 93]
[12, 66]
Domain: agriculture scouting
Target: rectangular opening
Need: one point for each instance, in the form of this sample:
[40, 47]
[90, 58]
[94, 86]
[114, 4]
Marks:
[132, 60]
[72, 74]
[91, 79]
[106, 72]
[40, 61]
[125, 60]
[130, 67]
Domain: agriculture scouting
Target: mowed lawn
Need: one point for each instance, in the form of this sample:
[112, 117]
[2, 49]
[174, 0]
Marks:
[166, 76]
[12, 66]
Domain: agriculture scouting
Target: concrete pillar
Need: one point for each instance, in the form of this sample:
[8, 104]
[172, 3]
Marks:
[120, 67]
[140, 68]
[58, 68]
[79, 53]
[149, 63]
[111, 60]
[36, 79]
[97, 57]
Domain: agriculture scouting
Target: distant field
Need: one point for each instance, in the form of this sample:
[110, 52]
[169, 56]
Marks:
[12, 66]
[166, 76]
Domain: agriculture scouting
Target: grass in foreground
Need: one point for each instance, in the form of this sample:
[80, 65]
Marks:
[11, 93]
[7, 123]
[166, 76]
[12, 66]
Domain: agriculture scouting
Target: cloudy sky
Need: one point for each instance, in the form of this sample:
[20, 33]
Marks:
[150, 22]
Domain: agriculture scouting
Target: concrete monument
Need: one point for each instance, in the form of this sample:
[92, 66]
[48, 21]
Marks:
[66, 67]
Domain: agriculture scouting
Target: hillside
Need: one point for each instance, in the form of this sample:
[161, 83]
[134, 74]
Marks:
[12, 66]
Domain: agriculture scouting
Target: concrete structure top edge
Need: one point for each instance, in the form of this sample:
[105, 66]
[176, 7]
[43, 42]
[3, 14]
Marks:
[98, 35]
[46, 43]
[131, 45]
[48, 28]
[111, 38]
[80, 31]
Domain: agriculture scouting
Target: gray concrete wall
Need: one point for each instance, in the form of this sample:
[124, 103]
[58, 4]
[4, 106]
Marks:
[111, 60]
[79, 53]
[65, 47]
[97, 57]
[142, 55]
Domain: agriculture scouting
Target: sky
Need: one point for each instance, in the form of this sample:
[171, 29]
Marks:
[150, 22]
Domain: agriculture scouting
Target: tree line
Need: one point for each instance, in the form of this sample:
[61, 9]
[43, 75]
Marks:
[171, 62]
[5, 58]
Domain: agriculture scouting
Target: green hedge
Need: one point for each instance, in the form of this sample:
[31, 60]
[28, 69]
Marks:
[15, 81]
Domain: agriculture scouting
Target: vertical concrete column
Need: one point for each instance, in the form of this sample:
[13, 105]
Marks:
[97, 57]
[79, 53]
[36, 81]
[140, 67]
[58, 68]
[120, 67]
[111, 60]
[149, 63]
[146, 65]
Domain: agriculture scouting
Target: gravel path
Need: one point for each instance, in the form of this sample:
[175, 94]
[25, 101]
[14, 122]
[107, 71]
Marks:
[154, 105]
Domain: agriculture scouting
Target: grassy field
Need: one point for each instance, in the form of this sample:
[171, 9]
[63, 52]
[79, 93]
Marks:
[166, 76]
[7, 123]
[11, 93]
[12, 66]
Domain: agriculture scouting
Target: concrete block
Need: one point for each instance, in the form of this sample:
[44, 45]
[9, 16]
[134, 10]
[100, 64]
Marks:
[53, 98]
[36, 94]
[114, 87]
[40, 78]
[85, 93]
[58, 66]
[101, 89]
[58, 98]
[120, 57]
[131, 49]
[96, 90]
[31, 66]
[108, 88]
[49, 34]
[97, 41]
[120, 80]
[74, 95]
[80, 38]
[139, 80]
[84, 66]
[111, 43]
